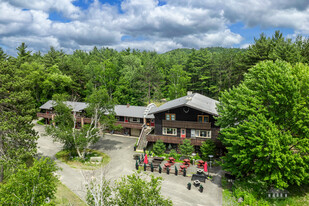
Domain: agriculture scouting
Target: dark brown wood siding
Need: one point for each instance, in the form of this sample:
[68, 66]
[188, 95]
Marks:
[185, 118]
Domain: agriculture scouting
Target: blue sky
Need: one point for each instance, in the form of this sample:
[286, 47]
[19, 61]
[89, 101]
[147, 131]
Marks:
[146, 24]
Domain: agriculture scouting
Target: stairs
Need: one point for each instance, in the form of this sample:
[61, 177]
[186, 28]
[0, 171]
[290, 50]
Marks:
[142, 140]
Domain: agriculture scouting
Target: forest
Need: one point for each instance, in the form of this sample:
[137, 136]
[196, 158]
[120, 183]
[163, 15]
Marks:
[139, 77]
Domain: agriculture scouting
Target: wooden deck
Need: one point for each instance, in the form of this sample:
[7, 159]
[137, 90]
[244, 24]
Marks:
[50, 116]
[173, 140]
[130, 125]
[186, 124]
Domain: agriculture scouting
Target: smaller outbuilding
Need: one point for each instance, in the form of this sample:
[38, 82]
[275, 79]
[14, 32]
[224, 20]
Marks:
[277, 193]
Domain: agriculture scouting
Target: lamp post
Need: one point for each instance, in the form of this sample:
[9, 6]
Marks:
[210, 156]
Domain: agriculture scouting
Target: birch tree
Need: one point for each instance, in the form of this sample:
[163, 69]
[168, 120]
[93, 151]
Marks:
[99, 111]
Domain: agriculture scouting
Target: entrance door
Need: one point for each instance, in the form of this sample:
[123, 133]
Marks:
[183, 133]
[152, 123]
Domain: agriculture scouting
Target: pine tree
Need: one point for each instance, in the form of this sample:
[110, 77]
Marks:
[17, 109]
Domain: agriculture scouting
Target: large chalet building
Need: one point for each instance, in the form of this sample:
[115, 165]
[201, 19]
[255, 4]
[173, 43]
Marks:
[189, 117]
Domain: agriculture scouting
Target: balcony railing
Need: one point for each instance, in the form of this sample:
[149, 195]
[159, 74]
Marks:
[50, 116]
[186, 124]
[45, 115]
[174, 140]
[133, 125]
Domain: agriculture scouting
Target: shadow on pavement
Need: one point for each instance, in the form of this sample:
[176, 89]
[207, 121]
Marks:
[106, 145]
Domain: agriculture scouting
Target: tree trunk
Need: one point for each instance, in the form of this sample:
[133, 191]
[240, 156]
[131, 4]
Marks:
[148, 92]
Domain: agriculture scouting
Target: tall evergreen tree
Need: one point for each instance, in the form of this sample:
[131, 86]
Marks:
[17, 109]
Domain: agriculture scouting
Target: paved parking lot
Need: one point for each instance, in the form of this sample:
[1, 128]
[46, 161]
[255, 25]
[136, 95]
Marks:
[120, 149]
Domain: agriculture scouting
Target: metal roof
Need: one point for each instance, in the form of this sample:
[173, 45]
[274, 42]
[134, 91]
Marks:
[131, 111]
[75, 106]
[195, 101]
[120, 110]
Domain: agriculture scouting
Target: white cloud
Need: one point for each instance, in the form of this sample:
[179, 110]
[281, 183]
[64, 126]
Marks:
[181, 23]
[66, 7]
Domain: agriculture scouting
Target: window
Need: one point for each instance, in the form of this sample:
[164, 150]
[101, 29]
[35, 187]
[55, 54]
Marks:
[203, 118]
[169, 131]
[203, 133]
[170, 116]
[133, 119]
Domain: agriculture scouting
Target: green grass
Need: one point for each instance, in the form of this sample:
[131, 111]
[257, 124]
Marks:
[64, 196]
[75, 162]
[41, 121]
[299, 196]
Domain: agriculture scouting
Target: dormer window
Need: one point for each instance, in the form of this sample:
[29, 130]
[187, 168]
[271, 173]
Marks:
[203, 118]
[170, 116]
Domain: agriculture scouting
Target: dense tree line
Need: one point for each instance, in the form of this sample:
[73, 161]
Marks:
[138, 77]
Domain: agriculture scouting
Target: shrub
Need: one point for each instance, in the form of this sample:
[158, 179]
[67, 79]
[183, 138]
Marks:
[174, 154]
[159, 147]
[186, 148]
[208, 148]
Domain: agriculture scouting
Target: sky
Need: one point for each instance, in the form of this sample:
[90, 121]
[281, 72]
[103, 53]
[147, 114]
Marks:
[155, 25]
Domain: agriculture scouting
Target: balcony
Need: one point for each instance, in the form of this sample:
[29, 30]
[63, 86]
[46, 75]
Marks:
[186, 124]
[173, 139]
[133, 125]
[50, 116]
[45, 115]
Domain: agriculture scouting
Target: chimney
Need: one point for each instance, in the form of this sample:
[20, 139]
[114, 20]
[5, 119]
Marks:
[189, 93]
[128, 105]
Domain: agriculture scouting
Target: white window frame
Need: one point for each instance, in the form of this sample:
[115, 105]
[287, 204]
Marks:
[134, 119]
[198, 133]
[174, 131]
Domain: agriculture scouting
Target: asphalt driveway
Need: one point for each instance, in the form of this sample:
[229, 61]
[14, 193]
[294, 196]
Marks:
[120, 149]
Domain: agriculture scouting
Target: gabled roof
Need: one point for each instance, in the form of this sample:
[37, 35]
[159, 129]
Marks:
[195, 101]
[131, 111]
[120, 110]
[75, 106]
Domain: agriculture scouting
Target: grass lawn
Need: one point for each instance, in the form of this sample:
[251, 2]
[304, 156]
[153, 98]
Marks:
[64, 196]
[77, 163]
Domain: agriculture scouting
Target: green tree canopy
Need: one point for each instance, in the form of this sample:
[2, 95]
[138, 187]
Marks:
[17, 109]
[265, 124]
[135, 189]
[30, 186]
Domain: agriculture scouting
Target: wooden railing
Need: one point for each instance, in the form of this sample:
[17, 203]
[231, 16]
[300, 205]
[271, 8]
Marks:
[45, 115]
[186, 124]
[133, 125]
[174, 140]
[50, 116]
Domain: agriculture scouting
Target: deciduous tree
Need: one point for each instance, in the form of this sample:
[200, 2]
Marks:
[265, 124]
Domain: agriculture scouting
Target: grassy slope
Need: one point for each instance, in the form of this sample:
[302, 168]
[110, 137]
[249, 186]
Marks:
[64, 196]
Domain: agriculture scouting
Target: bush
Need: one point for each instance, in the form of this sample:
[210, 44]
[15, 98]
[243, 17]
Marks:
[186, 147]
[251, 190]
[174, 154]
[208, 148]
[159, 147]
[41, 121]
